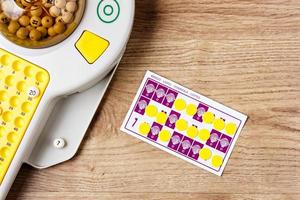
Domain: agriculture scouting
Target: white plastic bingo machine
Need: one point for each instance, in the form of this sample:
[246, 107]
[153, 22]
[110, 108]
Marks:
[56, 60]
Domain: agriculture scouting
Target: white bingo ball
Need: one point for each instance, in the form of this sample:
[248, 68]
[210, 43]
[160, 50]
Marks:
[71, 6]
[60, 3]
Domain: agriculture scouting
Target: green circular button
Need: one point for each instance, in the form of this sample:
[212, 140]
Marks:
[108, 11]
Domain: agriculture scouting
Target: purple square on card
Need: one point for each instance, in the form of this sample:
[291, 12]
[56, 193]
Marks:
[160, 93]
[194, 152]
[141, 105]
[185, 146]
[154, 131]
[175, 141]
[173, 117]
[170, 98]
[224, 143]
[214, 138]
[149, 89]
[200, 111]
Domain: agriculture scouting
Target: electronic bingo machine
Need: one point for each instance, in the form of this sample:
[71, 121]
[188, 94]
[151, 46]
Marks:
[56, 60]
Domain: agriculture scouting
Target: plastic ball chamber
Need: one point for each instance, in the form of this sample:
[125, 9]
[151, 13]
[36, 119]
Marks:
[50, 49]
[39, 23]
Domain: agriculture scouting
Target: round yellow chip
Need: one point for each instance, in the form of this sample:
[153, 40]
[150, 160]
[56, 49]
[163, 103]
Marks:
[151, 110]
[14, 101]
[21, 86]
[10, 80]
[161, 118]
[230, 128]
[164, 135]
[7, 116]
[4, 152]
[12, 137]
[191, 109]
[204, 134]
[144, 128]
[208, 117]
[217, 161]
[205, 153]
[192, 132]
[181, 124]
[179, 104]
[219, 124]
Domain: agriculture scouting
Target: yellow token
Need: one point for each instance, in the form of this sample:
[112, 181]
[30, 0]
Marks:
[179, 104]
[4, 152]
[208, 117]
[181, 124]
[29, 71]
[12, 137]
[204, 134]
[7, 116]
[192, 132]
[164, 135]
[21, 86]
[205, 153]
[16, 65]
[10, 80]
[14, 101]
[41, 77]
[26, 107]
[219, 124]
[161, 118]
[144, 128]
[191, 109]
[4, 59]
[217, 161]
[230, 128]
[151, 110]
[19, 122]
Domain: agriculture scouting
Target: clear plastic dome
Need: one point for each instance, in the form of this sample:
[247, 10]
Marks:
[39, 23]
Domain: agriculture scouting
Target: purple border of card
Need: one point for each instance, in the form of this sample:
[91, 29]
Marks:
[177, 148]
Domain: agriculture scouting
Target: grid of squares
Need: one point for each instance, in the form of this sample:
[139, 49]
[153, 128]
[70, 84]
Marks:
[155, 93]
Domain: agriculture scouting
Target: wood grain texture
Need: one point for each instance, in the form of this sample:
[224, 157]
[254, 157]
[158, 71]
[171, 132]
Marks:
[242, 53]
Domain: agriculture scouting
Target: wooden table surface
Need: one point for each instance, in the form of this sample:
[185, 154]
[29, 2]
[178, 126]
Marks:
[242, 53]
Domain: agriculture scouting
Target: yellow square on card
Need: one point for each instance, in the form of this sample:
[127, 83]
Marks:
[91, 46]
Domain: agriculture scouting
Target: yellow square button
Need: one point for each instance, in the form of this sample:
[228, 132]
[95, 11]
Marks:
[91, 46]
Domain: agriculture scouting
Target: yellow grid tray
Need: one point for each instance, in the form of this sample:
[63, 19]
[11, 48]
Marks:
[22, 85]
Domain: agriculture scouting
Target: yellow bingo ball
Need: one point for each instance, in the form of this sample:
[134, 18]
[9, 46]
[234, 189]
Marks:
[208, 117]
[192, 132]
[181, 124]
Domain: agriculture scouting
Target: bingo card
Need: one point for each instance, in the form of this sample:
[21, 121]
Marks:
[183, 123]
